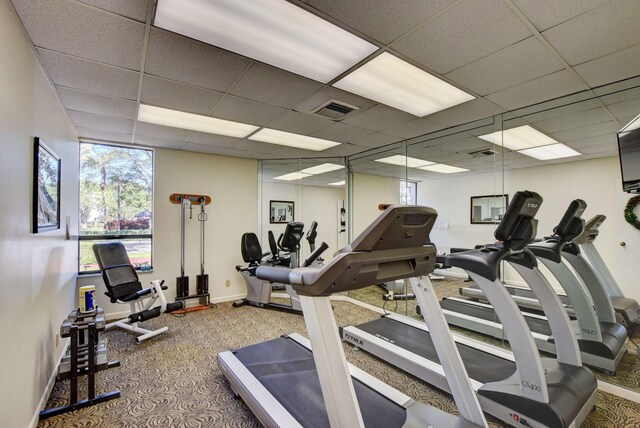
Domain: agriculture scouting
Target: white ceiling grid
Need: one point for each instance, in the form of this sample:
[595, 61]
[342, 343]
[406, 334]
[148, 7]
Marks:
[508, 53]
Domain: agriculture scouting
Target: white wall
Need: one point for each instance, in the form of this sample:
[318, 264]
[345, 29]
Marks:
[232, 184]
[37, 286]
[311, 203]
[368, 192]
[596, 181]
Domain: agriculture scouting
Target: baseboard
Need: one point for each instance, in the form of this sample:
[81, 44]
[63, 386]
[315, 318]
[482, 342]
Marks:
[47, 390]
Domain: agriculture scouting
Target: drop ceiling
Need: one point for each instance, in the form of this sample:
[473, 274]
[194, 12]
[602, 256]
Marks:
[105, 58]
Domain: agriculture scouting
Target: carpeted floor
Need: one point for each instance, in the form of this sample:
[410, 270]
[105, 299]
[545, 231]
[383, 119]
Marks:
[174, 381]
[628, 371]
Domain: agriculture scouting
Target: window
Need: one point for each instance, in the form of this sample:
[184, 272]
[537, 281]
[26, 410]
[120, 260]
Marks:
[116, 188]
[408, 192]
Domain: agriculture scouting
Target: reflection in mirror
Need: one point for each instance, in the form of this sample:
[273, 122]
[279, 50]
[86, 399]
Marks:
[281, 211]
[488, 209]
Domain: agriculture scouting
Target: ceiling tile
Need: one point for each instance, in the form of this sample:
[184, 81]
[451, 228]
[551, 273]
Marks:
[586, 131]
[515, 64]
[324, 95]
[345, 149]
[160, 131]
[625, 109]
[381, 20]
[610, 68]
[254, 146]
[107, 136]
[299, 123]
[246, 111]
[414, 128]
[84, 31]
[464, 33]
[294, 153]
[178, 96]
[574, 120]
[90, 76]
[87, 102]
[204, 148]
[561, 111]
[545, 14]
[164, 143]
[101, 123]
[375, 139]
[601, 31]
[478, 108]
[379, 117]
[134, 9]
[242, 154]
[185, 60]
[605, 141]
[273, 86]
[204, 139]
[341, 132]
[537, 90]
[618, 97]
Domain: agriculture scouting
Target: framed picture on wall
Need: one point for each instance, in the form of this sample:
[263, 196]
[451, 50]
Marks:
[281, 211]
[46, 188]
[488, 209]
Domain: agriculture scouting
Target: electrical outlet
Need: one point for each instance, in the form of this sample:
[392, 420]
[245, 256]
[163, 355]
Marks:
[57, 338]
[227, 283]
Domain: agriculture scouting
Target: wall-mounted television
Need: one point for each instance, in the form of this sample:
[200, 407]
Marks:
[629, 152]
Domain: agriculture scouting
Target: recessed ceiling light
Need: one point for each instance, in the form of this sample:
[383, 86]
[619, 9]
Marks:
[277, 33]
[321, 169]
[522, 137]
[553, 151]
[443, 169]
[402, 160]
[337, 183]
[292, 176]
[394, 82]
[194, 122]
[273, 136]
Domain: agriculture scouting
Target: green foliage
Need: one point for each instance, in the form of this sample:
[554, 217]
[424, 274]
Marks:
[629, 215]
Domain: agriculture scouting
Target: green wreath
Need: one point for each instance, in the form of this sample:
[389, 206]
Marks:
[629, 215]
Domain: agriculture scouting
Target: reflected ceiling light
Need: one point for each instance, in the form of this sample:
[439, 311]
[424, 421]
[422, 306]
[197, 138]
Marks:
[553, 151]
[275, 32]
[396, 83]
[292, 176]
[522, 137]
[337, 183]
[321, 169]
[193, 122]
[290, 139]
[402, 160]
[443, 169]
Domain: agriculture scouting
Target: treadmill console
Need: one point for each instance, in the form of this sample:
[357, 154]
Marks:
[518, 226]
[571, 225]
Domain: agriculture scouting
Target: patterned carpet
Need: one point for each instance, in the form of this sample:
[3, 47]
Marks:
[174, 381]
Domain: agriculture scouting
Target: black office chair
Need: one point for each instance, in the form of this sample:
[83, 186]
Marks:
[123, 286]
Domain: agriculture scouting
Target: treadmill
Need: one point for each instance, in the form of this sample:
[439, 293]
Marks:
[286, 384]
[602, 341]
[518, 386]
[586, 261]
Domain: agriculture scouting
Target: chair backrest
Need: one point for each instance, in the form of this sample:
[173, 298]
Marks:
[250, 247]
[273, 246]
[119, 275]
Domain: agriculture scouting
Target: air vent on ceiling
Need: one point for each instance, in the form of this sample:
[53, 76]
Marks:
[483, 152]
[334, 110]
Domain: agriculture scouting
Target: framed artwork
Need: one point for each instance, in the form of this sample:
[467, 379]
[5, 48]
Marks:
[281, 211]
[46, 188]
[488, 209]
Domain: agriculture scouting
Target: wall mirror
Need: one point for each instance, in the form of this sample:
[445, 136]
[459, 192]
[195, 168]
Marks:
[488, 208]
[46, 188]
[281, 211]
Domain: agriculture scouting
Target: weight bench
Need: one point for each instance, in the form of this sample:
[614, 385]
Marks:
[123, 286]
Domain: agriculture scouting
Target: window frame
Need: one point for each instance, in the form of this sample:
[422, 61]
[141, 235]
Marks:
[125, 237]
[407, 185]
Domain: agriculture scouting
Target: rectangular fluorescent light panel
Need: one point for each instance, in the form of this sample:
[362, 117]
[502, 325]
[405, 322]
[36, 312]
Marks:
[443, 169]
[337, 183]
[396, 83]
[275, 32]
[522, 137]
[402, 160]
[553, 151]
[321, 169]
[273, 136]
[292, 176]
[194, 122]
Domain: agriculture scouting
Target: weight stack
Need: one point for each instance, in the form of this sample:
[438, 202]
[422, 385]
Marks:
[182, 286]
[202, 284]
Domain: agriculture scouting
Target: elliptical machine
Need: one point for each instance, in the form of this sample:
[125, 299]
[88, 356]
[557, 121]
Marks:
[259, 291]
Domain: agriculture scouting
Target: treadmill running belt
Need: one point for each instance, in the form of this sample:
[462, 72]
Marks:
[287, 370]
[524, 292]
[488, 314]
[481, 366]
